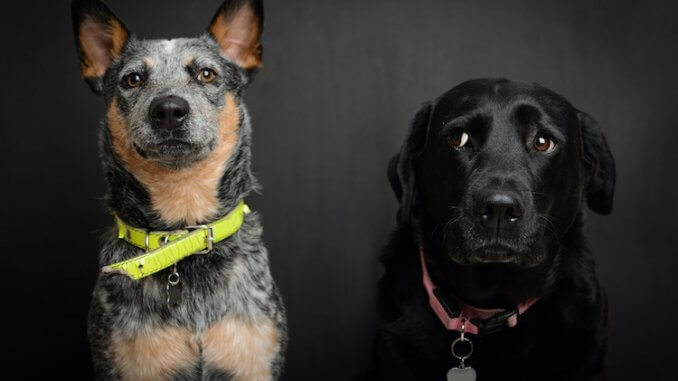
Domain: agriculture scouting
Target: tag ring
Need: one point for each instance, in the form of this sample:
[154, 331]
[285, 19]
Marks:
[173, 277]
[462, 340]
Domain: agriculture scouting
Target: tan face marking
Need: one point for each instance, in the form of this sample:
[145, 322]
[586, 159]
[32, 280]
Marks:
[155, 355]
[243, 348]
[149, 61]
[182, 196]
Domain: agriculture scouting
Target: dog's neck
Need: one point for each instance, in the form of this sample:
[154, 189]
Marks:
[487, 286]
[131, 200]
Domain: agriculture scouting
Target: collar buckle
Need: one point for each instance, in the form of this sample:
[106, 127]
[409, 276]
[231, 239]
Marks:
[209, 239]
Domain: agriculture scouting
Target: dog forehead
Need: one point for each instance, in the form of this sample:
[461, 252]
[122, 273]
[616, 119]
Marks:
[167, 46]
[181, 51]
[168, 55]
[493, 96]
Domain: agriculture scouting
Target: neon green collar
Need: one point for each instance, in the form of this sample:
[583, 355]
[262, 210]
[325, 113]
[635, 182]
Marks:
[165, 248]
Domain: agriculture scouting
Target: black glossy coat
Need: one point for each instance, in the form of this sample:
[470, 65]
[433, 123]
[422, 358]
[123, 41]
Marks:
[544, 254]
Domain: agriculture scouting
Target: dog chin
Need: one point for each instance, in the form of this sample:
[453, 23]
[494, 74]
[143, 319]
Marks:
[173, 153]
[495, 254]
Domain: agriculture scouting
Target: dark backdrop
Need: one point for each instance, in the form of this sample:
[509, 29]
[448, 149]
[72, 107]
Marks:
[341, 81]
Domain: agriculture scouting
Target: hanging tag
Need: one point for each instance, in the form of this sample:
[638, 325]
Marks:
[461, 374]
[462, 348]
[173, 288]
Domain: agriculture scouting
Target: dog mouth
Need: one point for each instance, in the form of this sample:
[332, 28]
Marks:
[173, 152]
[466, 246]
[496, 253]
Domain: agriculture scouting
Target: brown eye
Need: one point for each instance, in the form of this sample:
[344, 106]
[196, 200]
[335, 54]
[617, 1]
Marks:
[459, 139]
[133, 80]
[206, 75]
[544, 144]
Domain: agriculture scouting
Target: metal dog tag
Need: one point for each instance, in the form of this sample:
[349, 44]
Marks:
[461, 374]
[173, 289]
[174, 296]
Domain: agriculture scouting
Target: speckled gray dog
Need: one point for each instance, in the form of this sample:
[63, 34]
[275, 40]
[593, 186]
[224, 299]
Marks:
[175, 146]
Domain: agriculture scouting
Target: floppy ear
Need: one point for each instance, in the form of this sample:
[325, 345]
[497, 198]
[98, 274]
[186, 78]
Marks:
[401, 171]
[237, 28]
[99, 36]
[393, 176]
[600, 164]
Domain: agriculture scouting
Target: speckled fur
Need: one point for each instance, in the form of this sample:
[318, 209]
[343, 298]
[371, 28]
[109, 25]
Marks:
[232, 282]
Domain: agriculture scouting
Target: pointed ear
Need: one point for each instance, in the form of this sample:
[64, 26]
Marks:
[100, 37]
[237, 28]
[599, 162]
[401, 169]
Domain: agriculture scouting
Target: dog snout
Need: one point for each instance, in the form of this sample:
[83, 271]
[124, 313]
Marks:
[168, 112]
[497, 210]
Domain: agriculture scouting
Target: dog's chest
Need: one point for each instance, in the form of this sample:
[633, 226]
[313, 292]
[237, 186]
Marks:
[238, 346]
[217, 327]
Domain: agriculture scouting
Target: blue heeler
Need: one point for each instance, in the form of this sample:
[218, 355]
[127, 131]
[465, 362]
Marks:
[185, 291]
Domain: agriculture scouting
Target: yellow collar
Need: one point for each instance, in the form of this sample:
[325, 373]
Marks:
[165, 248]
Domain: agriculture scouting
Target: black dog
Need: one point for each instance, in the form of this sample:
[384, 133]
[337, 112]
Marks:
[491, 182]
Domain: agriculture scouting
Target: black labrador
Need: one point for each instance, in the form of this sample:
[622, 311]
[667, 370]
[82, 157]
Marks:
[491, 181]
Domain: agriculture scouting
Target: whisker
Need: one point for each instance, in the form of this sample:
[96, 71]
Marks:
[551, 227]
[447, 224]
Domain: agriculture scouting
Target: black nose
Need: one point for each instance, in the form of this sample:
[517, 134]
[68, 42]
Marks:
[497, 209]
[168, 112]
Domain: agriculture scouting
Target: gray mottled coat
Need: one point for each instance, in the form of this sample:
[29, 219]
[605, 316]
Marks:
[230, 323]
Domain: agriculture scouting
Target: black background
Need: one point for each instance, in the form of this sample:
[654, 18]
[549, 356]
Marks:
[341, 81]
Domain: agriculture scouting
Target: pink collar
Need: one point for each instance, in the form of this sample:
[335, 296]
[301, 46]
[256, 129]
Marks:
[467, 312]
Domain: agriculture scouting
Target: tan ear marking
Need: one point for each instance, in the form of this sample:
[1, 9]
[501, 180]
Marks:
[100, 43]
[238, 33]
